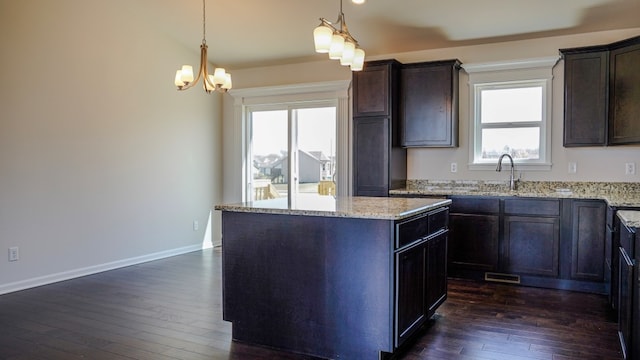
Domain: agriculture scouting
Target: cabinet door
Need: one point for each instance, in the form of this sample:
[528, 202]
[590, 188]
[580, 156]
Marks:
[588, 240]
[625, 282]
[429, 104]
[374, 88]
[371, 144]
[436, 272]
[531, 245]
[624, 107]
[473, 242]
[586, 84]
[410, 291]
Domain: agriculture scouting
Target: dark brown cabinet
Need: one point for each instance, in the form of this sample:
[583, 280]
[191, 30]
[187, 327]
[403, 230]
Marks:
[531, 245]
[624, 93]
[628, 297]
[429, 104]
[375, 89]
[601, 88]
[436, 272]
[380, 163]
[588, 235]
[544, 242]
[586, 84]
[421, 271]
[411, 290]
[474, 230]
[531, 237]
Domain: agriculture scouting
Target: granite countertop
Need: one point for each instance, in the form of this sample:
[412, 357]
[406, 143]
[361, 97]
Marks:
[615, 194]
[630, 218]
[350, 207]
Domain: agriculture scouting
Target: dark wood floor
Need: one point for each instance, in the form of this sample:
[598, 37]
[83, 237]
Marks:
[171, 309]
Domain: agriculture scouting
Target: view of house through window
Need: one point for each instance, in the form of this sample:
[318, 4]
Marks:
[309, 134]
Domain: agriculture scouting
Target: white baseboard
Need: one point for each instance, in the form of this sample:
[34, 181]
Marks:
[71, 274]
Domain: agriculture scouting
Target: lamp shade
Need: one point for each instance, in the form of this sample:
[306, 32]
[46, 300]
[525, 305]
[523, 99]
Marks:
[178, 80]
[337, 46]
[186, 74]
[219, 76]
[358, 60]
[227, 82]
[322, 38]
[347, 53]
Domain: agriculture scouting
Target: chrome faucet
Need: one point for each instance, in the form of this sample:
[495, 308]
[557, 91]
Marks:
[512, 181]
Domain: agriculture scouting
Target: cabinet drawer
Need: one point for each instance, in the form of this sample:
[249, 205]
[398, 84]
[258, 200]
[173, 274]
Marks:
[412, 230]
[474, 205]
[438, 220]
[421, 227]
[545, 207]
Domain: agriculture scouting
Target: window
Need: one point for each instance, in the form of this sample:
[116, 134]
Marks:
[510, 109]
[295, 140]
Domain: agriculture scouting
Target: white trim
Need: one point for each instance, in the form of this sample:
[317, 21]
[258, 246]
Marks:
[326, 86]
[90, 270]
[538, 70]
[543, 62]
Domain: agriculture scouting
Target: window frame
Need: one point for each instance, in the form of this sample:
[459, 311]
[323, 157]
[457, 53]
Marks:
[513, 74]
[297, 95]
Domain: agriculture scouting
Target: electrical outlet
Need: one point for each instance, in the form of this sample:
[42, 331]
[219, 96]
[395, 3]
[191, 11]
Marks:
[454, 167]
[573, 168]
[13, 253]
[630, 168]
[196, 226]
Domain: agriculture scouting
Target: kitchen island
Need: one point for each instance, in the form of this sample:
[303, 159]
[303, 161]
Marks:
[338, 278]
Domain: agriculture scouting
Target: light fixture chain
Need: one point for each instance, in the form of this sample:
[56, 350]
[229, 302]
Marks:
[204, 24]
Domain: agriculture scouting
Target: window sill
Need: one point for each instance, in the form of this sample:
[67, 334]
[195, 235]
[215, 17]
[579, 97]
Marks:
[506, 166]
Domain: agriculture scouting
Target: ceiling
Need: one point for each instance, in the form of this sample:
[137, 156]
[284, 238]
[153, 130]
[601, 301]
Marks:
[249, 33]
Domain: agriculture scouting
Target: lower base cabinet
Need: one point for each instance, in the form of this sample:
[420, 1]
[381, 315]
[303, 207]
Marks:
[543, 242]
[421, 272]
[628, 293]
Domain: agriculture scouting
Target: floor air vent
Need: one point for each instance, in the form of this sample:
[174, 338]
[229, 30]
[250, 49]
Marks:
[504, 278]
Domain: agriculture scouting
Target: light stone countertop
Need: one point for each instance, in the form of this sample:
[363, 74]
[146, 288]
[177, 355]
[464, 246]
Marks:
[386, 208]
[630, 218]
[614, 194]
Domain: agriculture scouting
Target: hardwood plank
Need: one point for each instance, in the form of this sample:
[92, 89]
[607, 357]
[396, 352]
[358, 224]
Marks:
[171, 309]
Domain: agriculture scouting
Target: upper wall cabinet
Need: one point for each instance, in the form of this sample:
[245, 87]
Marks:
[375, 90]
[624, 91]
[429, 104]
[586, 85]
[601, 94]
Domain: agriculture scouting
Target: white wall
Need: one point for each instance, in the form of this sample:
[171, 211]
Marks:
[102, 162]
[593, 164]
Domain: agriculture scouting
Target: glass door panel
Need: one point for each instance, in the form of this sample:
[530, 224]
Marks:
[269, 154]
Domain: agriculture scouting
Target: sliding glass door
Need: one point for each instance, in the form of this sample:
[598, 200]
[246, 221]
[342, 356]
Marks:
[291, 151]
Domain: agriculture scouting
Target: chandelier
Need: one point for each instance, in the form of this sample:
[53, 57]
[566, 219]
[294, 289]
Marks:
[219, 81]
[338, 42]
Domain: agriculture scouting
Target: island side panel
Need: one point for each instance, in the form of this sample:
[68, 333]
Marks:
[314, 285]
